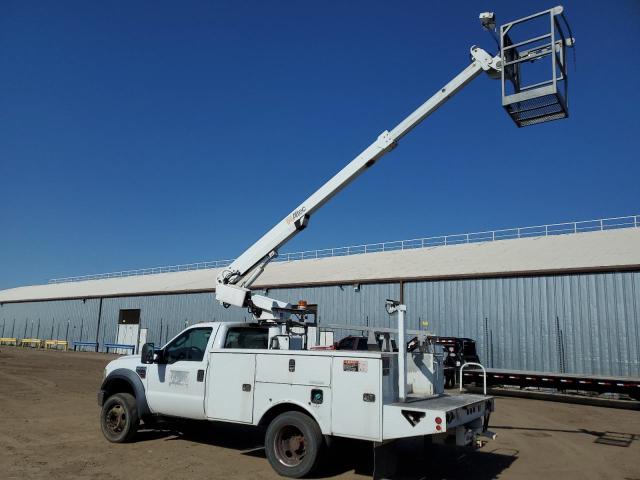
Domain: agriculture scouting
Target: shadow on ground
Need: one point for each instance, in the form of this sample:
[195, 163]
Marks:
[616, 439]
[415, 459]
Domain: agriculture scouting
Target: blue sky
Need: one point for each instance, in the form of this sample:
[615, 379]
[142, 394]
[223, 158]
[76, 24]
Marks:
[147, 133]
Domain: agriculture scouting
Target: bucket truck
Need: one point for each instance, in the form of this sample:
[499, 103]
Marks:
[266, 373]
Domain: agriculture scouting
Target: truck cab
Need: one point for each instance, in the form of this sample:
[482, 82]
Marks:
[174, 383]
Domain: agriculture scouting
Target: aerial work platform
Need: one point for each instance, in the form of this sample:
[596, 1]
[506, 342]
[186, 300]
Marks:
[534, 77]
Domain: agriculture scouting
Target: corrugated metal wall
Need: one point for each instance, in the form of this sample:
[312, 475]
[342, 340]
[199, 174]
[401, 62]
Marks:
[70, 320]
[521, 323]
[165, 315]
[526, 323]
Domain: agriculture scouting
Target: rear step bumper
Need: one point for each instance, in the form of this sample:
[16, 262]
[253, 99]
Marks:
[440, 414]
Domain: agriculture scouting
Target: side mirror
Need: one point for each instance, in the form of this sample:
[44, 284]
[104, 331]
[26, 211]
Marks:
[147, 353]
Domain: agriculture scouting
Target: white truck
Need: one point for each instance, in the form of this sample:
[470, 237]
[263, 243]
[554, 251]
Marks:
[225, 372]
[274, 371]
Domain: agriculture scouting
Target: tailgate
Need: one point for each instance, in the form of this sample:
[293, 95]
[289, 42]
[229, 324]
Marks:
[432, 415]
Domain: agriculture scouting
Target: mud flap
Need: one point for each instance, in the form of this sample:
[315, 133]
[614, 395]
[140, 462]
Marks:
[385, 460]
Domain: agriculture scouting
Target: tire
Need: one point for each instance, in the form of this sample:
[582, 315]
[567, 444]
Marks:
[119, 418]
[293, 443]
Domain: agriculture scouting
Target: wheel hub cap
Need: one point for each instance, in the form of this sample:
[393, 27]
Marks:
[116, 419]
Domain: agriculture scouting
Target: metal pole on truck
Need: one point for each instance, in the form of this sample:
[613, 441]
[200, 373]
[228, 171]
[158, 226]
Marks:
[393, 306]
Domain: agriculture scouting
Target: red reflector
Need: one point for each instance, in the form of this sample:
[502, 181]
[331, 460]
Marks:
[438, 420]
[438, 427]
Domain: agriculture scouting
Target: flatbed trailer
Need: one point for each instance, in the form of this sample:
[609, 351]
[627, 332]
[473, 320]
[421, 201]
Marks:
[560, 381]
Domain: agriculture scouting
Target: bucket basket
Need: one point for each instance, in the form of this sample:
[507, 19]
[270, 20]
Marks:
[534, 70]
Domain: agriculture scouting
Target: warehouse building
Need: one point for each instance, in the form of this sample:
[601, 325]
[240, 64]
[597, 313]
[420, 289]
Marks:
[550, 303]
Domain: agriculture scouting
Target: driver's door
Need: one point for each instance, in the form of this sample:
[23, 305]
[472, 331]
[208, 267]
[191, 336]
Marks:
[176, 386]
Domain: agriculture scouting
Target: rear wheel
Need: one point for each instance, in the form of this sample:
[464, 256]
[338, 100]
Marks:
[119, 418]
[292, 443]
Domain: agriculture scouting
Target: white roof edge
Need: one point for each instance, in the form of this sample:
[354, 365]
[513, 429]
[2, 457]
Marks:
[599, 250]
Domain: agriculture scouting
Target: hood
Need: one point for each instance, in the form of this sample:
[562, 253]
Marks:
[129, 362]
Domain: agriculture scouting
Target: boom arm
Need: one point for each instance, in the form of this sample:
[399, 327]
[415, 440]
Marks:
[233, 282]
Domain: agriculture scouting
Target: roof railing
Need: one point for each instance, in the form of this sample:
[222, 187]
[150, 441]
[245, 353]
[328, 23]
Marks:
[631, 221]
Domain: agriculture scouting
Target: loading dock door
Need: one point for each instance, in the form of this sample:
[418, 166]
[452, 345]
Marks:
[128, 328]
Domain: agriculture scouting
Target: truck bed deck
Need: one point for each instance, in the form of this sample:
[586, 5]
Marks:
[433, 415]
[442, 402]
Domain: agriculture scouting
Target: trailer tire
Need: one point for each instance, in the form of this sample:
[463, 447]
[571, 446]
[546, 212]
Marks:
[119, 418]
[293, 443]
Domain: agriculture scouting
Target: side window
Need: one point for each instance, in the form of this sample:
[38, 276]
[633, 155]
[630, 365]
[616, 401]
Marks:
[189, 346]
[244, 337]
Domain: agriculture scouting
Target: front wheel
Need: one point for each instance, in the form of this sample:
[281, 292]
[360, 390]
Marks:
[292, 443]
[119, 418]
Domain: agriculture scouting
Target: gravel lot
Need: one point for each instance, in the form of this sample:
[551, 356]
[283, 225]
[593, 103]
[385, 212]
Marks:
[50, 430]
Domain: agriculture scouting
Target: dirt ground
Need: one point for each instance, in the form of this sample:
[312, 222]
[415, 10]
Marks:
[49, 429]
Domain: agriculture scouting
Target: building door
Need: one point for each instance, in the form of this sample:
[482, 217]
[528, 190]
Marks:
[128, 328]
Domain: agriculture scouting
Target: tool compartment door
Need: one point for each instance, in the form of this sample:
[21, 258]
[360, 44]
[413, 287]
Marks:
[230, 386]
[293, 369]
[357, 398]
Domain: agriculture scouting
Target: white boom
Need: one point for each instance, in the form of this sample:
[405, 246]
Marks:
[233, 283]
